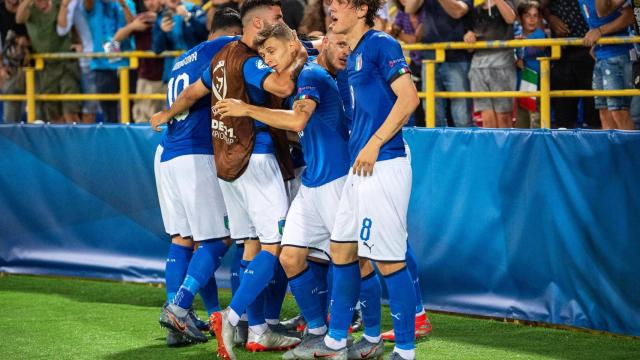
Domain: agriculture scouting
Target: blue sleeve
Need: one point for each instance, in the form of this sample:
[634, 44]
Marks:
[206, 77]
[389, 58]
[308, 87]
[255, 72]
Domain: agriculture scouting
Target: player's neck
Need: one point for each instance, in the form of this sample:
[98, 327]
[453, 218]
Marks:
[323, 61]
[356, 33]
[247, 38]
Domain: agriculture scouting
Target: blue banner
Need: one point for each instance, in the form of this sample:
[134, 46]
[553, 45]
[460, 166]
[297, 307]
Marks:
[536, 225]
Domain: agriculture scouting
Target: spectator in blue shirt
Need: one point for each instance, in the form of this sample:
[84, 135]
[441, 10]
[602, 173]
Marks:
[180, 26]
[444, 21]
[105, 17]
[613, 63]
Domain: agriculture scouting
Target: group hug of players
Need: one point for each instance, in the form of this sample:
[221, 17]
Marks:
[347, 98]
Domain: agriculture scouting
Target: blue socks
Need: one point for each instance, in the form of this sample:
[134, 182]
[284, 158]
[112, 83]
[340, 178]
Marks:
[236, 268]
[274, 294]
[253, 282]
[402, 306]
[176, 268]
[412, 266]
[370, 294]
[321, 272]
[209, 295]
[346, 289]
[203, 265]
[308, 291]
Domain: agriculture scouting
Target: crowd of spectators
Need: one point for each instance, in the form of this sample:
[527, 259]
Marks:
[112, 26]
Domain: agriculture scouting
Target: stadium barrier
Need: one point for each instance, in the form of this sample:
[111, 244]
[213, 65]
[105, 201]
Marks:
[537, 225]
[428, 92]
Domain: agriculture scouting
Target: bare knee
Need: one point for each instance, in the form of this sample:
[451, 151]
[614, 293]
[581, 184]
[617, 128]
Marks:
[251, 249]
[293, 260]
[179, 240]
[366, 267]
[388, 268]
[344, 253]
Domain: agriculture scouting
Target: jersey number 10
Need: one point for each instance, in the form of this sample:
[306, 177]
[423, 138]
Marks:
[174, 88]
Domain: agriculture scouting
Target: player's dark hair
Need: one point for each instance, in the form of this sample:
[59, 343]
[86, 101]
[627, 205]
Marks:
[225, 18]
[249, 5]
[525, 6]
[278, 31]
[372, 9]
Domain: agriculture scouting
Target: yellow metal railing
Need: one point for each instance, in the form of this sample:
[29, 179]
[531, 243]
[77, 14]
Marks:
[123, 96]
[545, 94]
[428, 92]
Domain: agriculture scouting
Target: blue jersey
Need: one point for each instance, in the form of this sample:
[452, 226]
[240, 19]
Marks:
[345, 94]
[190, 132]
[372, 66]
[104, 19]
[325, 138]
[254, 72]
[588, 8]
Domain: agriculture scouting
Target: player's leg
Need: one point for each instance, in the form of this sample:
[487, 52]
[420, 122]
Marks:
[423, 325]
[262, 183]
[383, 237]
[274, 297]
[370, 346]
[205, 216]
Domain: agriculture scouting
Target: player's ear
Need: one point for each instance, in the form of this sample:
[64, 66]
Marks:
[361, 11]
[257, 22]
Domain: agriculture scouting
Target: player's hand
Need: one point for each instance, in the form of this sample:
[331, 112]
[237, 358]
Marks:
[363, 166]
[592, 37]
[230, 107]
[158, 119]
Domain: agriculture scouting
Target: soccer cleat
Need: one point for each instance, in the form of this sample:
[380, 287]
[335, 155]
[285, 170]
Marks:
[175, 339]
[396, 356]
[318, 349]
[241, 332]
[423, 328]
[270, 341]
[200, 324]
[297, 323]
[281, 329]
[356, 321]
[300, 351]
[219, 322]
[181, 324]
[363, 349]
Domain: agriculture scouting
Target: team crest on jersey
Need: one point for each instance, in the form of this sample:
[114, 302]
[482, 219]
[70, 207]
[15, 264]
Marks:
[281, 226]
[219, 81]
[359, 62]
[261, 65]
[226, 222]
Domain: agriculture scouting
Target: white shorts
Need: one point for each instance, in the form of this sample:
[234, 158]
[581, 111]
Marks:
[373, 211]
[311, 218]
[257, 201]
[191, 202]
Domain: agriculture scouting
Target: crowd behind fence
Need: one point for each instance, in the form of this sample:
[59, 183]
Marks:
[523, 64]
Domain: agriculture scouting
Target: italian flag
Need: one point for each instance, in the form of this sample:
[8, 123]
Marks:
[528, 82]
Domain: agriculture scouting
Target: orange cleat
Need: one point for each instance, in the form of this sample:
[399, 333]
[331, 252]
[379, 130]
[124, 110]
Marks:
[423, 328]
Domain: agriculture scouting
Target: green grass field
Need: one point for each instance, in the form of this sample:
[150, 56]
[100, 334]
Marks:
[59, 318]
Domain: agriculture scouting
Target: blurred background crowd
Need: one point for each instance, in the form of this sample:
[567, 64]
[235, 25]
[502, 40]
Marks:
[112, 26]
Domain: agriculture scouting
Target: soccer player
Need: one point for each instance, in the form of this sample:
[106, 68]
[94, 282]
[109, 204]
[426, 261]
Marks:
[316, 114]
[371, 219]
[184, 167]
[247, 158]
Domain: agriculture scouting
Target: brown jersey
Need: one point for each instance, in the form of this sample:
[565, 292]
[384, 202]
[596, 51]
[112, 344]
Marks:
[234, 137]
